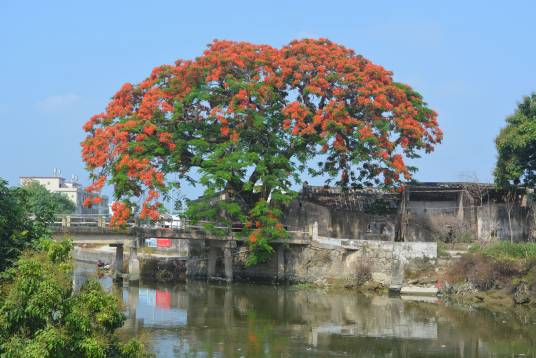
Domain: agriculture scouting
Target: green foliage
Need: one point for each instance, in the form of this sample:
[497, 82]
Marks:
[40, 200]
[516, 146]
[17, 232]
[17, 205]
[41, 316]
[507, 250]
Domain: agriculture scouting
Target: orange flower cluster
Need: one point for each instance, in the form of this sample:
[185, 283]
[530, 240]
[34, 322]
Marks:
[149, 209]
[121, 104]
[97, 185]
[90, 200]
[323, 91]
[121, 213]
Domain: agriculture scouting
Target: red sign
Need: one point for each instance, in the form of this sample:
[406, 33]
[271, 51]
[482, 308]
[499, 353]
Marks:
[163, 299]
[163, 242]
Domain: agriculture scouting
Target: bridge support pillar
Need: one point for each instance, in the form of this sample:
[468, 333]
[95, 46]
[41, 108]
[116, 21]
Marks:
[101, 222]
[133, 263]
[66, 221]
[118, 263]
[280, 263]
[211, 263]
[228, 263]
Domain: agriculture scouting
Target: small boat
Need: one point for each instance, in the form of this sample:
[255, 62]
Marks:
[101, 266]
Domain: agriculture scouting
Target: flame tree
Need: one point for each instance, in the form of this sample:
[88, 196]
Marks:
[248, 120]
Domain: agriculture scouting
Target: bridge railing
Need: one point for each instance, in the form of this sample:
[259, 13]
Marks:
[73, 221]
[84, 221]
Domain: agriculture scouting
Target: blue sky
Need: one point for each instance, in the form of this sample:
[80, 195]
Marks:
[60, 62]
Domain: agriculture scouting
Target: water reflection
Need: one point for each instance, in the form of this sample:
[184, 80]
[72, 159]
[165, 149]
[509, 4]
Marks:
[151, 307]
[199, 319]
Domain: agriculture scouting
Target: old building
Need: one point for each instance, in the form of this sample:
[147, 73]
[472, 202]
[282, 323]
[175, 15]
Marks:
[71, 189]
[450, 212]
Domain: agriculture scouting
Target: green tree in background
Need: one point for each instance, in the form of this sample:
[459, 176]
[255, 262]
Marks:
[16, 231]
[41, 200]
[516, 147]
[41, 316]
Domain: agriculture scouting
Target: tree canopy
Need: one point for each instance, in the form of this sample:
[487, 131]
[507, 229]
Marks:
[40, 199]
[516, 146]
[41, 316]
[248, 121]
[17, 232]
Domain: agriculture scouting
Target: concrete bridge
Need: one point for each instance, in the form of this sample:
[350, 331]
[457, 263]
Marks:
[96, 230]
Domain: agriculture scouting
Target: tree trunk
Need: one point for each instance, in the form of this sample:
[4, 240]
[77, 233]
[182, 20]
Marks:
[510, 226]
[402, 217]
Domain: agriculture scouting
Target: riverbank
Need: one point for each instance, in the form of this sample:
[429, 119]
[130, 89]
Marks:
[495, 275]
[498, 274]
[322, 262]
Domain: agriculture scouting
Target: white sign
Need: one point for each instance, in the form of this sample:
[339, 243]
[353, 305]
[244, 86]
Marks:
[151, 242]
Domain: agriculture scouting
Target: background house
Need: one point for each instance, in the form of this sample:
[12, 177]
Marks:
[71, 189]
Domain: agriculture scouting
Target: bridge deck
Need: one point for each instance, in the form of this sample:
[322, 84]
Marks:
[93, 229]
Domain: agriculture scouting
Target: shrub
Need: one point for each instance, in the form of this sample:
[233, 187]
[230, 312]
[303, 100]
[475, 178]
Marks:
[41, 316]
[473, 268]
[508, 268]
[362, 274]
[492, 266]
[482, 275]
[530, 278]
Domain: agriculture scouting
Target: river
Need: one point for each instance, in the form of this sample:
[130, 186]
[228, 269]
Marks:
[198, 319]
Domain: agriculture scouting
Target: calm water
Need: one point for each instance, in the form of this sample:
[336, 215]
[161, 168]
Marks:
[196, 319]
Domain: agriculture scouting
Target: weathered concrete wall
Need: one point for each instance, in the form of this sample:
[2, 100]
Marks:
[446, 212]
[327, 261]
[162, 269]
[196, 266]
[433, 220]
[334, 222]
[492, 223]
[92, 255]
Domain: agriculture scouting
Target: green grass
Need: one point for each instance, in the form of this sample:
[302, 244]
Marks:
[442, 249]
[507, 250]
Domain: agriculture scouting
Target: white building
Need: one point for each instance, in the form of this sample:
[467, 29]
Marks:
[72, 189]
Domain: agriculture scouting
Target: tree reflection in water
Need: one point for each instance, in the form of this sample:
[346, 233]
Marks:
[210, 320]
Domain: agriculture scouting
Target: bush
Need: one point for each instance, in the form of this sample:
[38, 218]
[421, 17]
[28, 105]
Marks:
[491, 268]
[41, 316]
[530, 278]
[473, 268]
[482, 274]
[362, 274]
[507, 268]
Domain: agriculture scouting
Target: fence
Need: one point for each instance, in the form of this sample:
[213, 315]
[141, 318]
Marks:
[172, 223]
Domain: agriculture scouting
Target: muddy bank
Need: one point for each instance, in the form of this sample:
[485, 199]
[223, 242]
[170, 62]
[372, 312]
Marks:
[494, 275]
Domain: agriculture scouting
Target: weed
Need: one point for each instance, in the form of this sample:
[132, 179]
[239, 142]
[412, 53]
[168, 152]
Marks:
[506, 250]
[362, 274]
